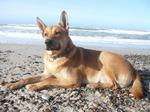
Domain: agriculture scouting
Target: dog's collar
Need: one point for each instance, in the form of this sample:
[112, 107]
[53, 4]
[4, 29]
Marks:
[63, 53]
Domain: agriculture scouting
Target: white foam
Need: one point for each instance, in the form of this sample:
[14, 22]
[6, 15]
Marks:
[113, 31]
[111, 40]
[81, 39]
[131, 32]
[116, 31]
[20, 34]
[20, 27]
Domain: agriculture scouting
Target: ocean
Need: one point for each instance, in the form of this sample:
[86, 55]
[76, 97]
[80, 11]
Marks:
[84, 37]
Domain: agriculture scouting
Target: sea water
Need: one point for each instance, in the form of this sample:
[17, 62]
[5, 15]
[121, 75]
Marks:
[84, 37]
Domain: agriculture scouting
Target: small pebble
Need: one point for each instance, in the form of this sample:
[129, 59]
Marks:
[2, 82]
[45, 96]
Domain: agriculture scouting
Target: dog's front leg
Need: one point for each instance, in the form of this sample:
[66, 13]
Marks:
[23, 82]
[51, 81]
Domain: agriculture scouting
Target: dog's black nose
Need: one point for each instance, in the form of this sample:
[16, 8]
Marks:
[48, 41]
[52, 44]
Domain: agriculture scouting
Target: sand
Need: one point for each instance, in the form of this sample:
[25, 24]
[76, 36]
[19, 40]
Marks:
[18, 61]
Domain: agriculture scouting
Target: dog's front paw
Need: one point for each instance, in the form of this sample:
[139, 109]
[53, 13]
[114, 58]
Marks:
[11, 86]
[31, 87]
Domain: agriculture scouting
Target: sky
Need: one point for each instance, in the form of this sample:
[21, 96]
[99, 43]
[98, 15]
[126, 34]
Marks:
[125, 14]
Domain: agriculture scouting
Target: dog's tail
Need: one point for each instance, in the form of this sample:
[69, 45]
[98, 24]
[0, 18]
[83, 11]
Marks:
[137, 89]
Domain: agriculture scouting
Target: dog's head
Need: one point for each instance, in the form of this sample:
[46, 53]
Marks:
[56, 36]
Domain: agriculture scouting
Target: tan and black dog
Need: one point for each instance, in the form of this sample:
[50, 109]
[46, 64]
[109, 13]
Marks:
[68, 66]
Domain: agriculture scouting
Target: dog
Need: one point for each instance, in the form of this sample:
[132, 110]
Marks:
[68, 66]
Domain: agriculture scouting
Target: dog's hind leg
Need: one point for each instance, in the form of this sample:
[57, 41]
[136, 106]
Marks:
[23, 82]
[106, 81]
[110, 85]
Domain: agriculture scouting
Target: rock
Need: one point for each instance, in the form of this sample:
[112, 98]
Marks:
[68, 109]
[44, 91]
[80, 110]
[2, 82]
[97, 94]
[45, 97]
[47, 110]
[75, 98]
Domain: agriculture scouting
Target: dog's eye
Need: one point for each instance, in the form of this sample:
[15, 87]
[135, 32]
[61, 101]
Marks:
[57, 32]
[45, 34]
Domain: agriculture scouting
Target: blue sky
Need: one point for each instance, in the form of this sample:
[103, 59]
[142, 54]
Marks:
[125, 14]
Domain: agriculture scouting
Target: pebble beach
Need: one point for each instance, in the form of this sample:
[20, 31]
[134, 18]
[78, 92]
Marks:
[20, 61]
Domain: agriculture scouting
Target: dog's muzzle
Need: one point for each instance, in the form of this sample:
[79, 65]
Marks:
[52, 44]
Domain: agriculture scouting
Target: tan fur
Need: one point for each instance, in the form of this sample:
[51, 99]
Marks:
[137, 89]
[97, 69]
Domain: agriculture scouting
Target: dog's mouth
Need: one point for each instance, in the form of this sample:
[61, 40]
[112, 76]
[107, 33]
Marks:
[52, 45]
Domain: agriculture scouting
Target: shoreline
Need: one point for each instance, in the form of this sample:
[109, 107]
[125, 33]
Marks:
[40, 49]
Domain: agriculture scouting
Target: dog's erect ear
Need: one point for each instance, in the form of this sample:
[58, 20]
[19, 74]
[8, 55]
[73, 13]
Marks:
[64, 20]
[40, 23]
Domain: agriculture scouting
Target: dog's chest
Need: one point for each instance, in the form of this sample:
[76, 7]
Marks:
[62, 74]
[52, 68]
[57, 71]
